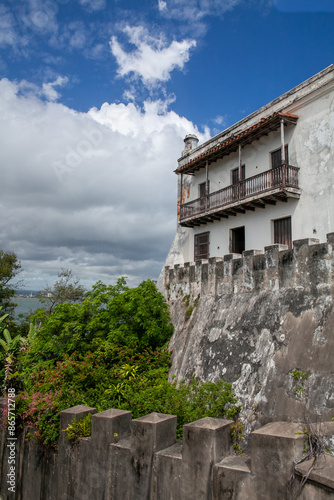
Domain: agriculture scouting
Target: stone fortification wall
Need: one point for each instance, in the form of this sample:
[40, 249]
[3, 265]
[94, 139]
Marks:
[308, 264]
[140, 459]
[253, 319]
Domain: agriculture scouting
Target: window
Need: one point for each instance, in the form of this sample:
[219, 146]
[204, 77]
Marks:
[282, 231]
[202, 246]
[276, 157]
[237, 243]
[202, 189]
[235, 179]
[235, 174]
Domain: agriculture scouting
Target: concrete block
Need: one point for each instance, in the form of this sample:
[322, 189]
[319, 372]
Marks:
[192, 273]
[286, 269]
[171, 276]
[120, 477]
[152, 433]
[274, 449]
[322, 473]
[169, 473]
[232, 479]
[248, 268]
[149, 434]
[76, 412]
[250, 253]
[108, 423]
[298, 244]
[320, 264]
[205, 271]
[205, 442]
[260, 270]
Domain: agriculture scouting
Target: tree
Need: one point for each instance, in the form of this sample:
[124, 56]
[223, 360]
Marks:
[9, 268]
[66, 289]
[113, 313]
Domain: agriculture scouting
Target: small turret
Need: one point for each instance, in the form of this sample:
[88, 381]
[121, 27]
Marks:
[190, 142]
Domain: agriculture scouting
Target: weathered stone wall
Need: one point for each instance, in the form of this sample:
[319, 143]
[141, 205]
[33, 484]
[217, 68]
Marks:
[140, 459]
[254, 319]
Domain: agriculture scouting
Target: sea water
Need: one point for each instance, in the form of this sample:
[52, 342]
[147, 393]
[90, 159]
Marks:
[26, 305]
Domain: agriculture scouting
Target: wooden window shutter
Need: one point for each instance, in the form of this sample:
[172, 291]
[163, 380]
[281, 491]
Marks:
[201, 245]
[282, 231]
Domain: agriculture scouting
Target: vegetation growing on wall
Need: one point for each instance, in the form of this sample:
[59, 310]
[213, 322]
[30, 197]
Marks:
[110, 351]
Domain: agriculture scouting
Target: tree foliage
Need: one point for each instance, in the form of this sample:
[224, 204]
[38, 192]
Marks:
[109, 312]
[67, 288]
[118, 377]
[9, 268]
[108, 352]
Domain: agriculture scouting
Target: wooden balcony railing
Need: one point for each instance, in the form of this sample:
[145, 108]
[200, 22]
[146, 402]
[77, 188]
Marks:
[282, 177]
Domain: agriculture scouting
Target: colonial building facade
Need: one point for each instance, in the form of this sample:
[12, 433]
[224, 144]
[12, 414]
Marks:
[267, 179]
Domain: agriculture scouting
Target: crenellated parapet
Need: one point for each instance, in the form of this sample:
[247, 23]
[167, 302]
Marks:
[307, 265]
[136, 459]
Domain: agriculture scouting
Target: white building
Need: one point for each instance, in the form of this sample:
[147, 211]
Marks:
[267, 179]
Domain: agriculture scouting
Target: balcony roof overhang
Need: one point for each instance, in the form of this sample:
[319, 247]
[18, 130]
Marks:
[231, 145]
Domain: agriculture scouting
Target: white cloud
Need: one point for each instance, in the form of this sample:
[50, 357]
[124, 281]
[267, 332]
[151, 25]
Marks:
[153, 60]
[91, 191]
[41, 16]
[49, 91]
[162, 5]
[8, 35]
[220, 120]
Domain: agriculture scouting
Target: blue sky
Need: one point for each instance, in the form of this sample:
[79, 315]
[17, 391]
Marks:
[96, 97]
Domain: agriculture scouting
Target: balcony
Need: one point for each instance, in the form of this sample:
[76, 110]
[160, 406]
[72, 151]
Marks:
[266, 188]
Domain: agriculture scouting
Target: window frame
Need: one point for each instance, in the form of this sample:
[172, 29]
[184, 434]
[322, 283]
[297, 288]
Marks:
[233, 232]
[279, 150]
[282, 236]
[201, 255]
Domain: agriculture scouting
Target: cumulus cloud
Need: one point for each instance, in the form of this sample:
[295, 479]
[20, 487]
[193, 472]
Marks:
[153, 60]
[91, 191]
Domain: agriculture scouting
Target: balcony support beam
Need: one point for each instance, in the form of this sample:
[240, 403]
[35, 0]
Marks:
[257, 204]
[269, 201]
[249, 207]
